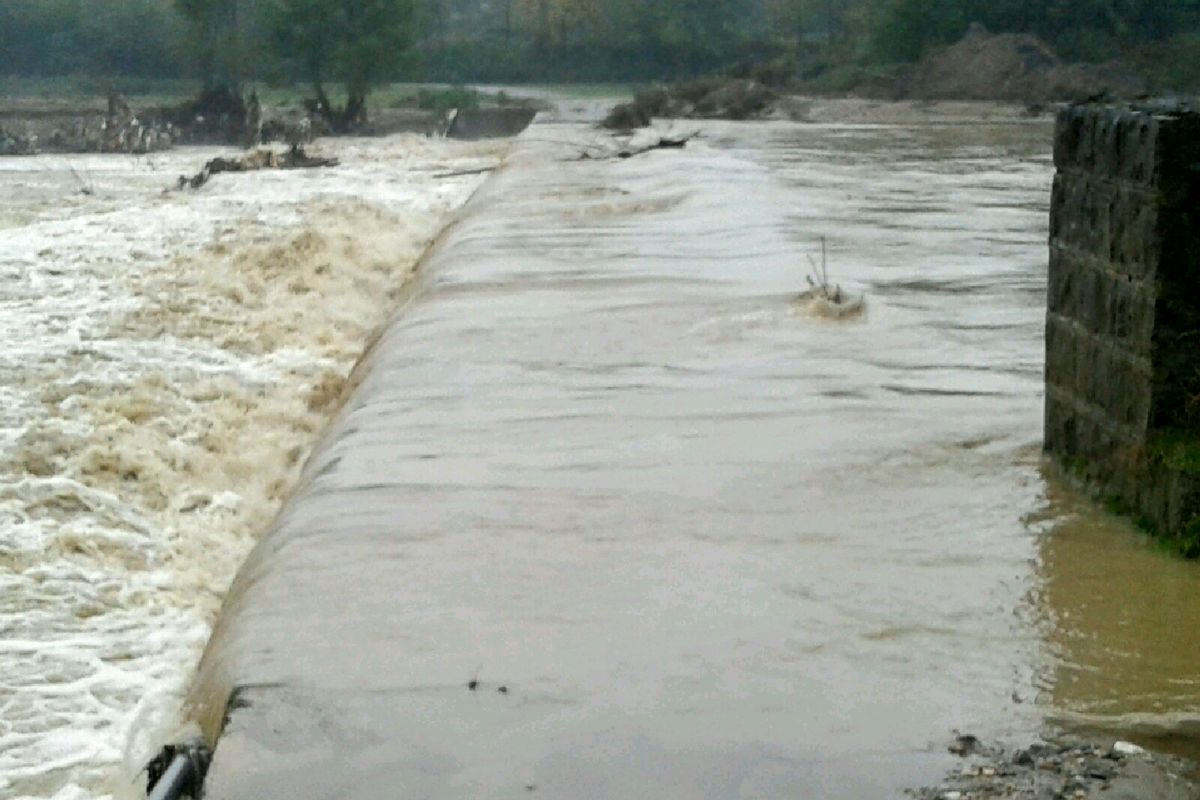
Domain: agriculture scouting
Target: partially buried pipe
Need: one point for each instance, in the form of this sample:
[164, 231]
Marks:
[178, 771]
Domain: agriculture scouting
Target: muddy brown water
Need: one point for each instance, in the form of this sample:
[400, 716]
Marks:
[166, 363]
[684, 539]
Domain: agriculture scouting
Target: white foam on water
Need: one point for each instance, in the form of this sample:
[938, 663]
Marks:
[166, 362]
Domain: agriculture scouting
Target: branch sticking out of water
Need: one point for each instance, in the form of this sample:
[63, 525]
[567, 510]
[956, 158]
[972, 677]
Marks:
[826, 299]
[818, 279]
[86, 185]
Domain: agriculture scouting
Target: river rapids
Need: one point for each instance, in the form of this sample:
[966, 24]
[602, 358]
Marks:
[167, 361]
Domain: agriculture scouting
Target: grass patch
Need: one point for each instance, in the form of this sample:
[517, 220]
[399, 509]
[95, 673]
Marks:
[90, 91]
[846, 78]
[1175, 451]
[459, 97]
[1186, 543]
[586, 91]
[1178, 450]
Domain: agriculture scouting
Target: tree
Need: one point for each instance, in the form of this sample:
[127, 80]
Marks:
[807, 20]
[215, 24]
[359, 43]
[905, 29]
[553, 24]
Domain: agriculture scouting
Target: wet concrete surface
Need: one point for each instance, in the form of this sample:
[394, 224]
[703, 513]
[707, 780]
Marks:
[610, 517]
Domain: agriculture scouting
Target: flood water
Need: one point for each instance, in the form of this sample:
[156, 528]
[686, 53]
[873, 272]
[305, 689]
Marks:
[166, 362]
[709, 544]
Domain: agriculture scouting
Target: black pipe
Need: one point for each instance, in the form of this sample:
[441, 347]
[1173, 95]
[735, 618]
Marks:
[178, 771]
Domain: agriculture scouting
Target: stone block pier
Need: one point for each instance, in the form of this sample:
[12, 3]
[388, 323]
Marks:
[1123, 323]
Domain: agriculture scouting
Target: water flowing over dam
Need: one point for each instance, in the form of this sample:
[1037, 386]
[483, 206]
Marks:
[605, 514]
[608, 516]
[168, 361]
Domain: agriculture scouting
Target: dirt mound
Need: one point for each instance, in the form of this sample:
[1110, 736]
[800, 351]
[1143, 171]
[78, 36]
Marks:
[1011, 67]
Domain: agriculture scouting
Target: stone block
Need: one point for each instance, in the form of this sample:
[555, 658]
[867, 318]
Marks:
[1134, 244]
[1176, 155]
[1123, 306]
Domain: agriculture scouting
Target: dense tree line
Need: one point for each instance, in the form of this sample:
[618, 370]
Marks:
[56, 37]
[1080, 29]
[357, 42]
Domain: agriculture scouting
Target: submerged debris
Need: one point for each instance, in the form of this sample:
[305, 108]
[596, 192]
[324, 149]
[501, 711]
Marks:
[622, 147]
[295, 158]
[825, 299]
[965, 744]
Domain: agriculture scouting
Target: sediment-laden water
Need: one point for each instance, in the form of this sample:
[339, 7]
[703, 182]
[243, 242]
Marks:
[166, 362]
[944, 227]
[639, 483]
[692, 540]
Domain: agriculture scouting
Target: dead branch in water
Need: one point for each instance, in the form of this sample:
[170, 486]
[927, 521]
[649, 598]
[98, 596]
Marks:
[86, 185]
[826, 299]
[663, 142]
[818, 280]
[295, 158]
[464, 173]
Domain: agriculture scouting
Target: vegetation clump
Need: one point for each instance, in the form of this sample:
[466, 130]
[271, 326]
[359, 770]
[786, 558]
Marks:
[1178, 450]
[359, 44]
[704, 98]
[1157, 487]
[454, 97]
[218, 114]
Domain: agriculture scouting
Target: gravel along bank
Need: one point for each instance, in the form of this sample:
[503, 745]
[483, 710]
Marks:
[1063, 771]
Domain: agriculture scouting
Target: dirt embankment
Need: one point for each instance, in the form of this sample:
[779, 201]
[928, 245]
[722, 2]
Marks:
[1011, 67]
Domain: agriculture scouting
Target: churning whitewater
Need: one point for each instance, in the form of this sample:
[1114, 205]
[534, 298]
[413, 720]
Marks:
[166, 362]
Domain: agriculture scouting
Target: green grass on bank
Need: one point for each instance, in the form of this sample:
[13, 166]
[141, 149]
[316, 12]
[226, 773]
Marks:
[582, 91]
[1169, 66]
[1177, 451]
[88, 90]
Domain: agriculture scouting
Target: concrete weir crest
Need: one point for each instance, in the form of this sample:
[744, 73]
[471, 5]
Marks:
[435, 611]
